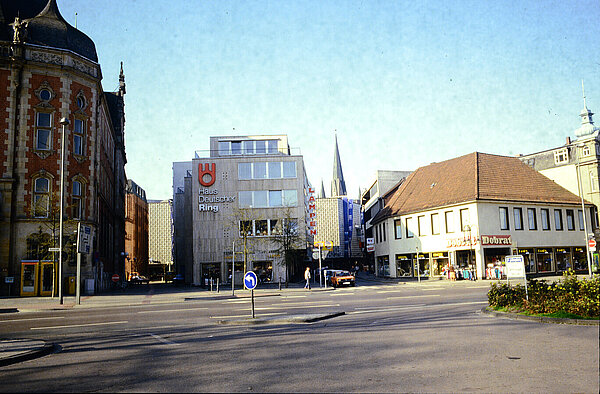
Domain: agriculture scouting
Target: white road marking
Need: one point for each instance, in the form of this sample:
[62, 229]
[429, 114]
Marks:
[399, 306]
[163, 340]
[298, 296]
[37, 318]
[172, 310]
[414, 296]
[80, 325]
[288, 307]
[245, 315]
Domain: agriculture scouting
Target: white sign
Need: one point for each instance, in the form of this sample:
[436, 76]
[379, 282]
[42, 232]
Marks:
[53, 249]
[370, 248]
[370, 241]
[515, 266]
[85, 239]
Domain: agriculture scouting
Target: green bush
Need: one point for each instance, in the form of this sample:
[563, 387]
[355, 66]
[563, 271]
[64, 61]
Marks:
[570, 295]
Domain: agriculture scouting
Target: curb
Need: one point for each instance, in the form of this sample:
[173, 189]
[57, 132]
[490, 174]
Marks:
[289, 319]
[28, 355]
[540, 319]
[9, 310]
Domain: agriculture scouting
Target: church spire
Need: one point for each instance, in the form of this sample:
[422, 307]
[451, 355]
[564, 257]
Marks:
[587, 123]
[338, 185]
[122, 82]
[322, 191]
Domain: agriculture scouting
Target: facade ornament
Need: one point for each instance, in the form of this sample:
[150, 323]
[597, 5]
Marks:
[19, 27]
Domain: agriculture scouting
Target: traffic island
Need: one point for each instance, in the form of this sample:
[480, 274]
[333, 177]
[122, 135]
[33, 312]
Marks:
[540, 319]
[309, 318]
[14, 351]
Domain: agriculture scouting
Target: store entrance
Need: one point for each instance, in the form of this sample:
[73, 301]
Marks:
[494, 262]
[210, 271]
[263, 270]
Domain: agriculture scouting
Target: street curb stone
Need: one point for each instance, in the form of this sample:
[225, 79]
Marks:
[540, 319]
[286, 319]
[41, 351]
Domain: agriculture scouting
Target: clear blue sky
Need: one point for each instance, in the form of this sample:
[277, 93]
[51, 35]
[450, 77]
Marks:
[404, 83]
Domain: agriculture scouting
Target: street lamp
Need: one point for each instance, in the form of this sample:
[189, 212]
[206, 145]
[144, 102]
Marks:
[64, 122]
[580, 190]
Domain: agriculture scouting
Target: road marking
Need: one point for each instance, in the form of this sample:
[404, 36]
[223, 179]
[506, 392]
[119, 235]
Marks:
[298, 296]
[163, 340]
[304, 303]
[289, 307]
[37, 318]
[415, 296]
[245, 315]
[384, 310]
[172, 310]
[79, 325]
[399, 306]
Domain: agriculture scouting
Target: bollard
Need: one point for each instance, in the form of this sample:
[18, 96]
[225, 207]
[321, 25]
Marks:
[211, 284]
[217, 285]
[279, 283]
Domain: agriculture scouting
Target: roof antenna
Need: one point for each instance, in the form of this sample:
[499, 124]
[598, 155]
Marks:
[76, 20]
[583, 91]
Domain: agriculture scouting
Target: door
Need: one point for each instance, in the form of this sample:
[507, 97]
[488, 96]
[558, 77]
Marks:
[29, 282]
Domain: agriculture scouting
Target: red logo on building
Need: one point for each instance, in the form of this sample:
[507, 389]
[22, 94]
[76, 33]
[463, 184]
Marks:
[206, 172]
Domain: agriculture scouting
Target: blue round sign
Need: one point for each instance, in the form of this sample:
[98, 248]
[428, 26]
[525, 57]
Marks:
[250, 280]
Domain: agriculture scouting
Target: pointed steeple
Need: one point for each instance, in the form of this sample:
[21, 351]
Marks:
[322, 191]
[587, 123]
[338, 185]
[122, 90]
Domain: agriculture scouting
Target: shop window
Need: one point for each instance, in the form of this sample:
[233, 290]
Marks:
[421, 224]
[384, 265]
[570, 220]
[246, 228]
[398, 228]
[78, 133]
[543, 258]
[464, 219]
[409, 228]
[561, 156]
[518, 216]
[579, 259]
[76, 197]
[435, 223]
[42, 133]
[275, 227]
[581, 224]
[403, 266]
[41, 197]
[449, 216]
[261, 228]
[532, 219]
[558, 222]
[545, 219]
[563, 259]
[504, 218]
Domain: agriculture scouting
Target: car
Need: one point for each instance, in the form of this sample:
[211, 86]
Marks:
[341, 278]
[178, 279]
[138, 279]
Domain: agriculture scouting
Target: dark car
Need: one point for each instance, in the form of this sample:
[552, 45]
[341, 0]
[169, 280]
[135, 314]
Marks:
[138, 279]
[178, 279]
[342, 278]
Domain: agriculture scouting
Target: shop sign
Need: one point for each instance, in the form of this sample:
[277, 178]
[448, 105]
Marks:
[463, 241]
[524, 251]
[496, 240]
[402, 257]
[207, 197]
[370, 241]
[542, 250]
[561, 250]
[515, 266]
[439, 254]
[370, 248]
[579, 250]
[206, 175]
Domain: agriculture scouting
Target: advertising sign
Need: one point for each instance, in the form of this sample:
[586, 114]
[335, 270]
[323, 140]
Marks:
[515, 267]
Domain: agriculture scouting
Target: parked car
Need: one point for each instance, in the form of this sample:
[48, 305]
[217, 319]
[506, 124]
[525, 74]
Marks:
[136, 278]
[178, 279]
[342, 278]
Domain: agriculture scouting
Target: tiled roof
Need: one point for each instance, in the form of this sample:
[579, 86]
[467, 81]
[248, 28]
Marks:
[476, 176]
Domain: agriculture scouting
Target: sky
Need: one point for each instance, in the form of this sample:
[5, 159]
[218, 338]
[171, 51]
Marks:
[402, 83]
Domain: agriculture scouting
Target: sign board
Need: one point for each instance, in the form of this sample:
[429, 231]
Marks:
[115, 278]
[592, 245]
[85, 239]
[370, 241]
[53, 249]
[515, 266]
[370, 248]
[9, 279]
[250, 280]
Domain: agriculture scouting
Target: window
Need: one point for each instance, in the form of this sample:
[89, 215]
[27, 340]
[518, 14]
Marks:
[275, 199]
[45, 95]
[289, 169]
[248, 147]
[245, 199]
[585, 151]
[421, 224]
[260, 171]
[236, 147]
[41, 197]
[570, 220]
[518, 216]
[384, 232]
[545, 219]
[504, 218]
[260, 147]
[42, 133]
[464, 218]
[561, 156]
[274, 170]
[398, 229]
[223, 148]
[409, 228]
[244, 171]
[76, 198]
[274, 228]
[78, 132]
[246, 228]
[261, 228]
[290, 198]
[580, 214]
[377, 234]
[435, 223]
[260, 199]
[593, 182]
[558, 223]
[449, 221]
[532, 218]
[272, 146]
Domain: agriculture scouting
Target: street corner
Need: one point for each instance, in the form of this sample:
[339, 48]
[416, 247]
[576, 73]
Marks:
[540, 319]
[287, 319]
[13, 351]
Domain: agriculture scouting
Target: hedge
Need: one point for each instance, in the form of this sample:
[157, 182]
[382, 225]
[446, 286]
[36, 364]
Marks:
[570, 295]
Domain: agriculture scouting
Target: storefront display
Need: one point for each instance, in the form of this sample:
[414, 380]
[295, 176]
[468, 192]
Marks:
[403, 265]
[579, 259]
[383, 265]
[439, 261]
[543, 258]
[528, 259]
[563, 259]
[423, 268]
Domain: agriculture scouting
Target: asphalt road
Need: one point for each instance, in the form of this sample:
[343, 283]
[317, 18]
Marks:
[428, 337]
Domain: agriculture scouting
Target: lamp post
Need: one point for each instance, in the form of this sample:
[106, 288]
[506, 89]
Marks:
[64, 122]
[580, 190]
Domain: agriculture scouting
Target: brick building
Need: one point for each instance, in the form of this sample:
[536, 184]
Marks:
[48, 71]
[136, 230]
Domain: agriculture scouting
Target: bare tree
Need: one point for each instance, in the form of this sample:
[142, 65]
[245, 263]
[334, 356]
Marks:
[288, 241]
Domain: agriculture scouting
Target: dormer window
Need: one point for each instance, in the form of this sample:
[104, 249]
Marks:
[561, 156]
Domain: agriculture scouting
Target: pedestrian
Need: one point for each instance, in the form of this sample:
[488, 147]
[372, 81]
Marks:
[307, 277]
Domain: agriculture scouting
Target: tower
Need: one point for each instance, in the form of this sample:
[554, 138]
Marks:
[338, 185]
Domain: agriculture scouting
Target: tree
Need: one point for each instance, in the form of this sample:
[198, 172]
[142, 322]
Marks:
[288, 241]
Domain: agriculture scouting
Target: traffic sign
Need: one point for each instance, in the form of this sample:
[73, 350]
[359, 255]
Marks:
[115, 278]
[250, 280]
[592, 243]
[53, 249]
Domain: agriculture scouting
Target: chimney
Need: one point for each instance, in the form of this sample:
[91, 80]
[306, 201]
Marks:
[568, 141]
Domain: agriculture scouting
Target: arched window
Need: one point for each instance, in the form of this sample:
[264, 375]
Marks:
[41, 197]
[77, 200]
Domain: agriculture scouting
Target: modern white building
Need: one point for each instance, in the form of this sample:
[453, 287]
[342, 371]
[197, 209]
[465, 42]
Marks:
[241, 196]
[471, 212]
[160, 233]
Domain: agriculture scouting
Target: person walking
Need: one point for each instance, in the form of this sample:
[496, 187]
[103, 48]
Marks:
[307, 277]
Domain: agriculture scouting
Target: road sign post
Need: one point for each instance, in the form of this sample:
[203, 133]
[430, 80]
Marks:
[250, 282]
